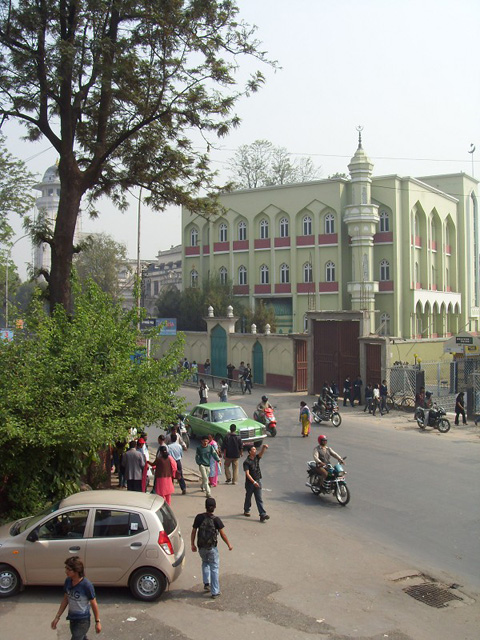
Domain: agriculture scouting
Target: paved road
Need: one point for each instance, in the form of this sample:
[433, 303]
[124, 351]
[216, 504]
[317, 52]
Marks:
[315, 570]
[414, 490]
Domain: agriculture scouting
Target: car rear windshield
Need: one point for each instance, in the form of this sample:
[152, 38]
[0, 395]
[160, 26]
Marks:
[168, 520]
[229, 414]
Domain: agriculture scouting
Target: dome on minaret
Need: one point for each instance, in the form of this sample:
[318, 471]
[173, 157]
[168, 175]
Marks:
[51, 174]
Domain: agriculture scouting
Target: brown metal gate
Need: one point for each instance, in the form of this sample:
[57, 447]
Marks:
[373, 356]
[336, 352]
[301, 378]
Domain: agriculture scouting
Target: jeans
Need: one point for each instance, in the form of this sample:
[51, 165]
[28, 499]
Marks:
[79, 628]
[205, 473]
[251, 489]
[210, 569]
[181, 480]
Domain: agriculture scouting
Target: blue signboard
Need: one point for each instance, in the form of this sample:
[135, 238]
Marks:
[169, 326]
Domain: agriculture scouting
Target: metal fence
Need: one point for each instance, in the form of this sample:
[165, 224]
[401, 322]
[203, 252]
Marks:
[444, 379]
[475, 406]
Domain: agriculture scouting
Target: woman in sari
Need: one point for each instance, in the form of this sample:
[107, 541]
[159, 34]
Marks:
[215, 467]
[305, 419]
[165, 471]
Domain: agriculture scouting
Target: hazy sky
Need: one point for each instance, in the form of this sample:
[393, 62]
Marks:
[406, 70]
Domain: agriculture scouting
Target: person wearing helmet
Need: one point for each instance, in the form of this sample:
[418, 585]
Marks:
[322, 455]
[428, 403]
[260, 411]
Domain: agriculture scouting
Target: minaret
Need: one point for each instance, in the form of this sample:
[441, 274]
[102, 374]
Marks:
[47, 207]
[361, 217]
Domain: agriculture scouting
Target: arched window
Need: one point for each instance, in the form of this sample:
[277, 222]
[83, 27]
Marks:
[305, 323]
[384, 221]
[223, 275]
[222, 232]
[284, 228]
[384, 270]
[417, 226]
[384, 329]
[307, 226]
[284, 274]
[417, 273]
[193, 278]
[242, 230]
[329, 223]
[263, 229]
[330, 272]
[242, 275]
[264, 275]
[307, 272]
[433, 233]
[194, 237]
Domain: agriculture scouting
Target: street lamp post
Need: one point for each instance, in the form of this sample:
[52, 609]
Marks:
[9, 254]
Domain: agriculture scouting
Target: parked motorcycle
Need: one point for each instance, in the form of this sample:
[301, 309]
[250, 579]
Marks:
[327, 411]
[267, 418]
[436, 418]
[334, 483]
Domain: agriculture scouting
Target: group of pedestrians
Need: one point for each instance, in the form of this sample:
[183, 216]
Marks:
[375, 395]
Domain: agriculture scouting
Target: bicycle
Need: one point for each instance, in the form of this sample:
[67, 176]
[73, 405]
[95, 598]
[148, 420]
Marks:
[401, 401]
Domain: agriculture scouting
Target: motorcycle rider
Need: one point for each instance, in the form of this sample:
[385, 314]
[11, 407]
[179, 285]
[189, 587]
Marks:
[428, 403]
[261, 406]
[322, 455]
[325, 396]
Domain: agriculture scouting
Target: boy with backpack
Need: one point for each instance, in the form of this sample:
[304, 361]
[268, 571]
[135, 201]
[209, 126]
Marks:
[206, 527]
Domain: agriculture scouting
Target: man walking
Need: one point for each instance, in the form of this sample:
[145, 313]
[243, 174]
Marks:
[253, 482]
[134, 463]
[175, 449]
[204, 453]
[232, 450]
[206, 526]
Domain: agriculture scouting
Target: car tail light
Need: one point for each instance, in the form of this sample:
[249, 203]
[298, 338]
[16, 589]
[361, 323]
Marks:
[164, 542]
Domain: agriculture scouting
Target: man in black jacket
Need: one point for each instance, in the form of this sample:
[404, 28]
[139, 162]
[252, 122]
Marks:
[232, 450]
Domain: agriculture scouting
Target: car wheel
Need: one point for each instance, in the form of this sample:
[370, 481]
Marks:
[147, 584]
[10, 581]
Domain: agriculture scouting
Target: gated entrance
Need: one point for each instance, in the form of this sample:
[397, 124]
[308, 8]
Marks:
[336, 352]
[301, 365]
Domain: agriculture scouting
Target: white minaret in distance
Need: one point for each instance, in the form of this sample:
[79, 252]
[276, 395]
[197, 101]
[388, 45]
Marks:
[47, 206]
[361, 217]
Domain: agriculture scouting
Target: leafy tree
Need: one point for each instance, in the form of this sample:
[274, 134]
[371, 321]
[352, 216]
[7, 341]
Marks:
[101, 259]
[15, 187]
[69, 389]
[262, 164]
[338, 174]
[119, 87]
[190, 305]
[264, 314]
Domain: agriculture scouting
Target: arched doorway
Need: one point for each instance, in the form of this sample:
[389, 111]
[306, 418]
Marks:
[219, 351]
[257, 363]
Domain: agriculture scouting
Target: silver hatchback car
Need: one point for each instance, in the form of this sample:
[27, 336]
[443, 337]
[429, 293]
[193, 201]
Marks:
[123, 538]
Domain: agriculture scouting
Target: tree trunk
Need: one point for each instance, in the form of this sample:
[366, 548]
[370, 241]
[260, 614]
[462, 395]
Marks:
[60, 288]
